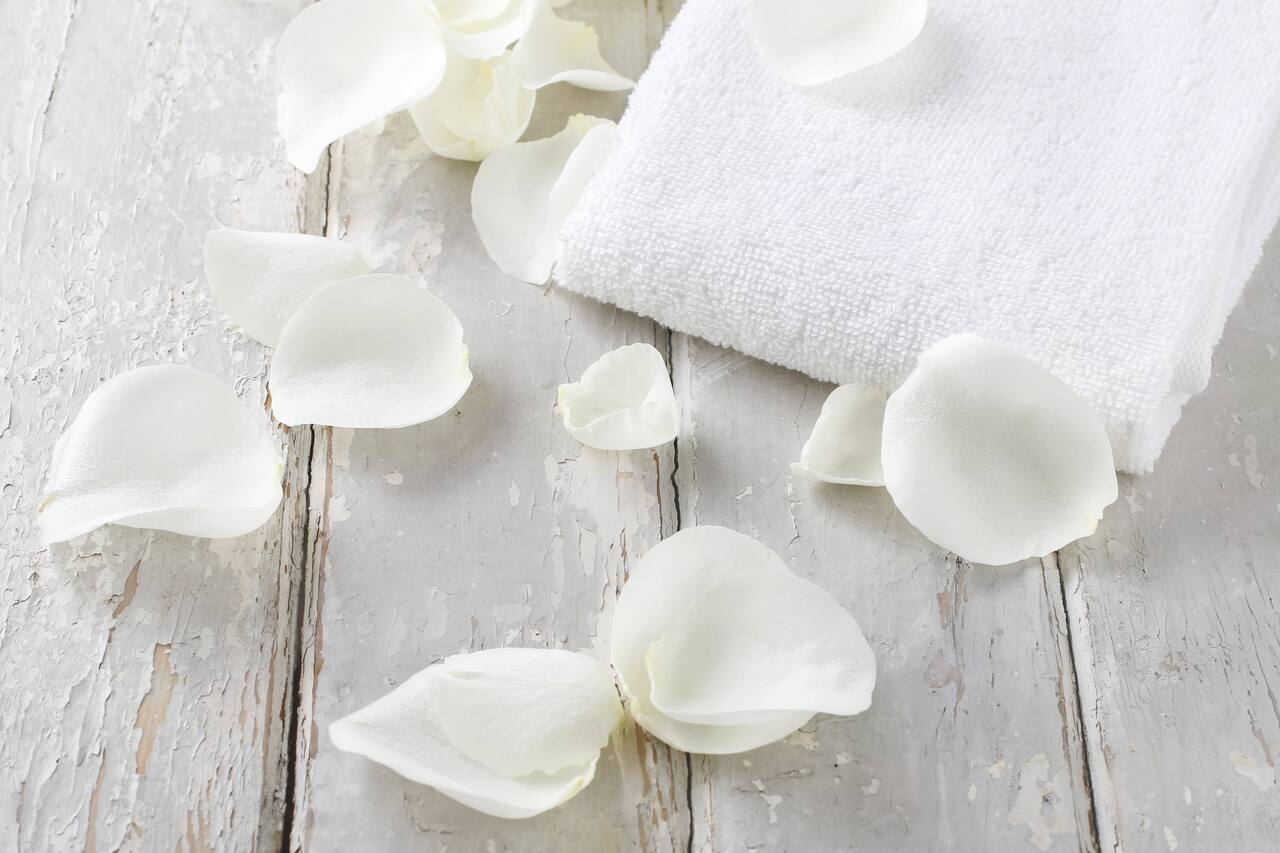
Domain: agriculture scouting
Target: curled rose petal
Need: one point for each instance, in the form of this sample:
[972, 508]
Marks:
[756, 645]
[261, 278]
[479, 107]
[523, 194]
[344, 64]
[624, 401]
[166, 448]
[558, 51]
[510, 732]
[812, 41]
[372, 351]
[822, 660]
[844, 447]
[480, 29]
[993, 457]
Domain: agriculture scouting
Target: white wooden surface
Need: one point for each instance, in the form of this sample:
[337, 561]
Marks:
[160, 693]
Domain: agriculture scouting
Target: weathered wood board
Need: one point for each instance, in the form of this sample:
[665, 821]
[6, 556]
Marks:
[145, 676]
[1174, 610]
[163, 693]
[487, 527]
[972, 741]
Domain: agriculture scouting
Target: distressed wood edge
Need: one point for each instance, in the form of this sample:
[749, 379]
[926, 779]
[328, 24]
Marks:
[1078, 704]
[287, 741]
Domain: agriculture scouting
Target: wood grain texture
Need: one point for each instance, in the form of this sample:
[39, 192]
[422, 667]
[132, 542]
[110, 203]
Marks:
[972, 741]
[487, 527]
[164, 693]
[1174, 604]
[145, 674]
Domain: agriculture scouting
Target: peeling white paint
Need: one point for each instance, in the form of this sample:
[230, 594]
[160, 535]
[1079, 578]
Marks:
[342, 438]
[803, 739]
[1043, 802]
[338, 510]
[1262, 776]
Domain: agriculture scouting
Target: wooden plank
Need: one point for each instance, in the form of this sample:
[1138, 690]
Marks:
[145, 674]
[1174, 608]
[972, 741]
[487, 527]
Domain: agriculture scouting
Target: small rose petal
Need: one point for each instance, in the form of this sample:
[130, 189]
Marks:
[558, 51]
[373, 351]
[759, 644]
[668, 578]
[261, 278]
[479, 108]
[993, 457]
[480, 29]
[343, 64]
[624, 401]
[470, 727]
[165, 448]
[844, 447]
[812, 41]
[523, 194]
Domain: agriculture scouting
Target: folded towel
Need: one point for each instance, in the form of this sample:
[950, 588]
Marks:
[1089, 183]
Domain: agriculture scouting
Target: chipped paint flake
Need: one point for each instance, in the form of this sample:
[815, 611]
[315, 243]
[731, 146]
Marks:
[1263, 776]
[1043, 802]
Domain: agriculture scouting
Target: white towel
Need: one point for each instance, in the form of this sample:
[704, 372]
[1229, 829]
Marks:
[1088, 182]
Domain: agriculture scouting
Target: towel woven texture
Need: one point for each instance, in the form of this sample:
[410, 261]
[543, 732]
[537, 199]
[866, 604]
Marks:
[1089, 183]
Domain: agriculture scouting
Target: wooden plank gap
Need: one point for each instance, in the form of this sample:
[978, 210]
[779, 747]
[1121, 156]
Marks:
[1070, 611]
[316, 220]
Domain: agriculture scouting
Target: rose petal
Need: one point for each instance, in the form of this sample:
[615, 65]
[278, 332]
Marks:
[373, 351]
[991, 456]
[427, 728]
[812, 41]
[480, 29]
[667, 579]
[758, 644]
[566, 704]
[624, 401]
[523, 194]
[479, 108]
[558, 51]
[345, 63]
[163, 447]
[844, 447]
[261, 278]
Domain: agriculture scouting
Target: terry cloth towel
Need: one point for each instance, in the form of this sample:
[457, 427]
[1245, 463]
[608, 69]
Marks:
[1089, 183]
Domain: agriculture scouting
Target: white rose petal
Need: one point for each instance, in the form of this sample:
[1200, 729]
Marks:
[624, 401]
[567, 701]
[373, 351]
[812, 41]
[510, 732]
[479, 107]
[261, 278]
[992, 457]
[480, 29]
[558, 51]
[343, 64]
[657, 615]
[844, 447]
[756, 645]
[163, 447]
[523, 194]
